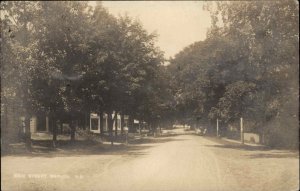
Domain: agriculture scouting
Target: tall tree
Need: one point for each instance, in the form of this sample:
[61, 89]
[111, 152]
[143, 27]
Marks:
[18, 48]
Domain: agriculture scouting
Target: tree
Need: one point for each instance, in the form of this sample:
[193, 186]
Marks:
[246, 67]
[18, 63]
[270, 31]
[51, 52]
[63, 41]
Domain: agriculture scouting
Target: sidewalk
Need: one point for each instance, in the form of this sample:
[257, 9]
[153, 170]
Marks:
[239, 142]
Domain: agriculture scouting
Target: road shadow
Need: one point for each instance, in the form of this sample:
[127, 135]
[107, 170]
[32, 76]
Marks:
[153, 140]
[263, 151]
[170, 135]
[274, 155]
[240, 147]
[66, 148]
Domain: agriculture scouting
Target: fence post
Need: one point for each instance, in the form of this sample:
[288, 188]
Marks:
[242, 131]
[217, 127]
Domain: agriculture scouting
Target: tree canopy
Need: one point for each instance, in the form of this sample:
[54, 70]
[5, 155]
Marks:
[68, 58]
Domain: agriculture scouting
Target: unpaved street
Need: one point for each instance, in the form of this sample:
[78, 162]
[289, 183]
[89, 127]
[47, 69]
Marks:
[183, 162]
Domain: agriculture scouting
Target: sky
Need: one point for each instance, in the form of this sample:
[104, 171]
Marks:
[177, 23]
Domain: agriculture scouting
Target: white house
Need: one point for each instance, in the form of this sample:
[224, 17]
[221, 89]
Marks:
[95, 122]
[37, 124]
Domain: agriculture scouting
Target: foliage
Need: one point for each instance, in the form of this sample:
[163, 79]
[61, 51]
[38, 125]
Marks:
[247, 67]
[67, 58]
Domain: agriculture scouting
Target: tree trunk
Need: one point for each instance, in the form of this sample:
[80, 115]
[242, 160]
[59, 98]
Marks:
[130, 124]
[4, 129]
[72, 126]
[27, 132]
[122, 124]
[54, 131]
[101, 122]
[140, 127]
[85, 120]
[110, 126]
[159, 129]
[61, 127]
[262, 136]
[154, 128]
[116, 123]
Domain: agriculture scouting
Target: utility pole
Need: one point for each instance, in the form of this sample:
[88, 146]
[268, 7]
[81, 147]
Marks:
[217, 127]
[242, 131]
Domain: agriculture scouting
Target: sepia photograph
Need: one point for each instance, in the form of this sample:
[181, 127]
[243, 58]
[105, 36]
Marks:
[150, 95]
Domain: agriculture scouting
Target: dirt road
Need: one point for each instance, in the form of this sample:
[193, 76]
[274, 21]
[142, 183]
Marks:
[184, 162]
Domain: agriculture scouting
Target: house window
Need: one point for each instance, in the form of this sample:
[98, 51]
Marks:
[94, 124]
[41, 123]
